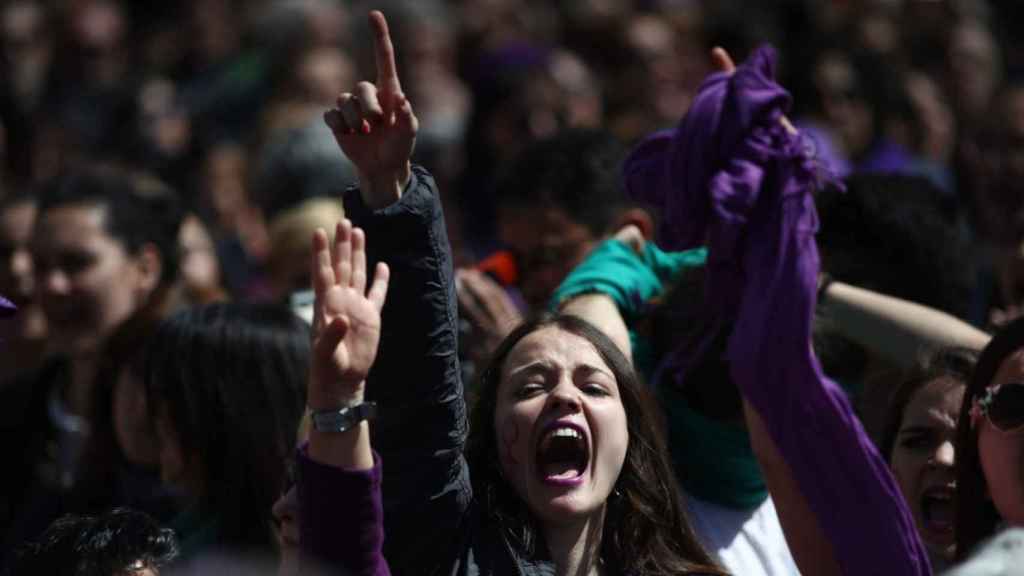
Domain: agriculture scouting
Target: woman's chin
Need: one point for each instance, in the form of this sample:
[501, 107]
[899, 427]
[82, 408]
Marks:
[567, 506]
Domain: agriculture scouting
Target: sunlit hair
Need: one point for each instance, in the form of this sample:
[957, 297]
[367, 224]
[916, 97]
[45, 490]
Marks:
[952, 364]
[976, 515]
[646, 530]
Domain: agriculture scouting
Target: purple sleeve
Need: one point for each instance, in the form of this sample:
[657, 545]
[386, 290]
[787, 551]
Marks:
[341, 519]
[735, 178]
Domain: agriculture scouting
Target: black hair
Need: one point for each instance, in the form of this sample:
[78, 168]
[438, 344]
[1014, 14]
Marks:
[646, 529]
[976, 515]
[954, 363]
[897, 235]
[136, 213]
[121, 541]
[231, 380]
[576, 170]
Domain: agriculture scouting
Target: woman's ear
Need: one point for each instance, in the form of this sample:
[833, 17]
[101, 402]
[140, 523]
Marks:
[150, 269]
[638, 217]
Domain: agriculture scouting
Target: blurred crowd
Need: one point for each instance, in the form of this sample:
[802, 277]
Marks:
[222, 99]
[156, 157]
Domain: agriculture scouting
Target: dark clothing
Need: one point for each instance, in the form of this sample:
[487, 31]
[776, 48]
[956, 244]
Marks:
[50, 473]
[415, 380]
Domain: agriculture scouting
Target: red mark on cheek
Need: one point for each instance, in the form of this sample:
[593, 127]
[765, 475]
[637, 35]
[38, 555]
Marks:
[509, 437]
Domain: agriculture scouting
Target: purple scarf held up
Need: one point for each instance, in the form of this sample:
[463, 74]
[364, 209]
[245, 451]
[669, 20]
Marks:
[732, 176]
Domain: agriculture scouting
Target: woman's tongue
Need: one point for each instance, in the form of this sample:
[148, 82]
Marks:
[565, 470]
[562, 459]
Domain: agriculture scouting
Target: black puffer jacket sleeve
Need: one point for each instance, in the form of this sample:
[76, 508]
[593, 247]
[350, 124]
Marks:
[422, 427]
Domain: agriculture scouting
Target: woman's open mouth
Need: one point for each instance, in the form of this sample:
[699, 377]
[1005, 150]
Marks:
[563, 454]
[937, 509]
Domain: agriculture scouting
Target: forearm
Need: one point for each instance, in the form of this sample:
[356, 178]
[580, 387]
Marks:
[600, 310]
[895, 329]
[341, 518]
[811, 549]
[349, 450]
[416, 362]
[415, 380]
[835, 466]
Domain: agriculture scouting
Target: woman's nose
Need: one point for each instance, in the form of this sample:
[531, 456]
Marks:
[944, 454]
[566, 397]
[55, 281]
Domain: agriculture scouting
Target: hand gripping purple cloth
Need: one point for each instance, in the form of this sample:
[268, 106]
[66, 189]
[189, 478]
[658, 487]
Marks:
[732, 176]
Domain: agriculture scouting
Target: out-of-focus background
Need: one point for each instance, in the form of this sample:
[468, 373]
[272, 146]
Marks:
[222, 100]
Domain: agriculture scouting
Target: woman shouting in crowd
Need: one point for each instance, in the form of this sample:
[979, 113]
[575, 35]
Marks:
[564, 469]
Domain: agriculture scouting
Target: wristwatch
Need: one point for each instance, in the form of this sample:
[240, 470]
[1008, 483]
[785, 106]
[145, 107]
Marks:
[344, 418]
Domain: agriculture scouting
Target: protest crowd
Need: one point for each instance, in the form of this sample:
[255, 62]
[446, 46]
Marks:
[496, 287]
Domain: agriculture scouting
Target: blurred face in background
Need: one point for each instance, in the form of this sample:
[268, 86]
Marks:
[842, 103]
[974, 68]
[16, 280]
[923, 460]
[547, 244]
[88, 283]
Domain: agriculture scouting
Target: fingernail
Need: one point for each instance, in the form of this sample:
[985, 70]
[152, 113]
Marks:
[365, 127]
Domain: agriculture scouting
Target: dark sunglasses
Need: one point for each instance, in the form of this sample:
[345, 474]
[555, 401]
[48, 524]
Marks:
[1002, 405]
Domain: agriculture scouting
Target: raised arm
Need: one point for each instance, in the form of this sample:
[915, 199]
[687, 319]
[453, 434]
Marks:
[340, 512]
[895, 329]
[736, 174]
[422, 425]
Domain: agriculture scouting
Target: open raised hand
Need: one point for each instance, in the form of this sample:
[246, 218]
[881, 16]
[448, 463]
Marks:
[346, 318]
[375, 125]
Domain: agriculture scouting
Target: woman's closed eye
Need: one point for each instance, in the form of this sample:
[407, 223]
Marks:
[917, 441]
[529, 389]
[595, 389]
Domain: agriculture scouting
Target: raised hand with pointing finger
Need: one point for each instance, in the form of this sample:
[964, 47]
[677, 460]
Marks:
[376, 127]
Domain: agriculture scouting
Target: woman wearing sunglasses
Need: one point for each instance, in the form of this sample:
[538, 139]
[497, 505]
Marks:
[990, 442]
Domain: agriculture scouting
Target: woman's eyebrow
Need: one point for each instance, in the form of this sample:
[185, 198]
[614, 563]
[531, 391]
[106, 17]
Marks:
[587, 369]
[535, 367]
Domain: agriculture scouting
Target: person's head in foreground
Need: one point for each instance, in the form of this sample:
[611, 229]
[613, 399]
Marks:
[121, 542]
[990, 442]
[566, 444]
[918, 441]
[226, 389]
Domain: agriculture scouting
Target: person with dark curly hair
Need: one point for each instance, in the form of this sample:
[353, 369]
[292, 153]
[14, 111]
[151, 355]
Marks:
[121, 542]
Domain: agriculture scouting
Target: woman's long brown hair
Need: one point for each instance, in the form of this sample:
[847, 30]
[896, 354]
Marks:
[646, 531]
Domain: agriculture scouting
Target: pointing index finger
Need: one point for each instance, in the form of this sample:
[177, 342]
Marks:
[384, 51]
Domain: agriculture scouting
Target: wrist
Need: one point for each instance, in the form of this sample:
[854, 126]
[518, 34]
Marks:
[334, 400]
[384, 189]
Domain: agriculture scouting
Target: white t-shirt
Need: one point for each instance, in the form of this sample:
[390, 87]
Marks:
[747, 542]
